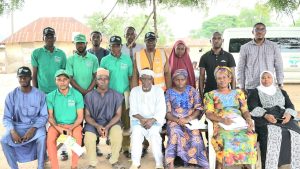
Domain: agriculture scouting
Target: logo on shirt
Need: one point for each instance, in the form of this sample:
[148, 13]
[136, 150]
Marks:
[71, 103]
[124, 66]
[88, 63]
[57, 59]
[223, 61]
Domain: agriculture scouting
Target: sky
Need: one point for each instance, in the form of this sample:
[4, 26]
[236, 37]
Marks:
[80, 10]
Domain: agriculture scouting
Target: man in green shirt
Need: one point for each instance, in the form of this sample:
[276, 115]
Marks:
[46, 61]
[120, 72]
[82, 66]
[65, 109]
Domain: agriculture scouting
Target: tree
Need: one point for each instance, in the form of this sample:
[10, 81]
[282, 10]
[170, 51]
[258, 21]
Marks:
[285, 6]
[218, 23]
[113, 25]
[260, 13]
[6, 6]
[246, 18]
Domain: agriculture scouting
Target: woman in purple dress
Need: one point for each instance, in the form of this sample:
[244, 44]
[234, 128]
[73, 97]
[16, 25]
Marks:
[183, 105]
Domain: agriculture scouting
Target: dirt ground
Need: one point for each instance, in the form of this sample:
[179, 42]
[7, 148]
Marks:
[9, 82]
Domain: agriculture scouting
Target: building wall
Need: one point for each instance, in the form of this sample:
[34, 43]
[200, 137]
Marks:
[19, 54]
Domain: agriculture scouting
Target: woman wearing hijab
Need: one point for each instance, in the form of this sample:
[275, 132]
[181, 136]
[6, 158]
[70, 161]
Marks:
[278, 134]
[180, 59]
[234, 146]
[183, 105]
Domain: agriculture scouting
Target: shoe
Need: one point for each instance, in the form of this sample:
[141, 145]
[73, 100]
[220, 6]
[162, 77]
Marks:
[144, 152]
[98, 152]
[159, 167]
[108, 156]
[64, 156]
[127, 154]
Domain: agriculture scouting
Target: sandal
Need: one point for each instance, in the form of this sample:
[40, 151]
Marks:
[64, 156]
[117, 165]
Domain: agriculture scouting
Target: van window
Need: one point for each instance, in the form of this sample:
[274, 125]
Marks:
[285, 44]
[236, 43]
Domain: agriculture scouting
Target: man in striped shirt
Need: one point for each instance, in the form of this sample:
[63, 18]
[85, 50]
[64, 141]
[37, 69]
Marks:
[257, 56]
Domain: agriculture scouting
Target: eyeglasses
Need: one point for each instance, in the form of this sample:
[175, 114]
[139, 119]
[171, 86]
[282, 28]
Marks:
[260, 30]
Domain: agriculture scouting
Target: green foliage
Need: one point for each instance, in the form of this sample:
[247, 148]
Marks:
[246, 18]
[169, 3]
[10, 5]
[285, 6]
[218, 23]
[115, 25]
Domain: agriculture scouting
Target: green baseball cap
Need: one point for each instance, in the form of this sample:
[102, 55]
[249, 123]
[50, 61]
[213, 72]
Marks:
[80, 38]
[61, 72]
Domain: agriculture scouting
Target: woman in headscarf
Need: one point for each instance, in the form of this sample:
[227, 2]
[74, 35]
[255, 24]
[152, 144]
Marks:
[180, 59]
[278, 134]
[233, 146]
[183, 105]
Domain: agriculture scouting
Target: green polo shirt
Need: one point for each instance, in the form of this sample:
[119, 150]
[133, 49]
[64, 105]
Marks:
[120, 69]
[82, 68]
[65, 106]
[47, 64]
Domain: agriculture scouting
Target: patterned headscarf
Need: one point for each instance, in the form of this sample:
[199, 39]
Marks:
[178, 72]
[224, 69]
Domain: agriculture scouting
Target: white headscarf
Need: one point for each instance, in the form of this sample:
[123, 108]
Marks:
[270, 90]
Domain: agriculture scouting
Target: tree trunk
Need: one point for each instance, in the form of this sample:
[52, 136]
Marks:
[154, 17]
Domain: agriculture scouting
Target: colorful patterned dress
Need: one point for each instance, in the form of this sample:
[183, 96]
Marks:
[235, 146]
[183, 142]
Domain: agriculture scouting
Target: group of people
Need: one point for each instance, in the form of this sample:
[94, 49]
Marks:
[99, 93]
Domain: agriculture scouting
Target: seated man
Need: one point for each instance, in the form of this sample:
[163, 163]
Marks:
[25, 117]
[65, 107]
[147, 114]
[103, 108]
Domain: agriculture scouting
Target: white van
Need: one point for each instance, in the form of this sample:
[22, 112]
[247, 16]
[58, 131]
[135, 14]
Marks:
[288, 38]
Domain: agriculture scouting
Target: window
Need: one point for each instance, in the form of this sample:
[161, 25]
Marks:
[285, 44]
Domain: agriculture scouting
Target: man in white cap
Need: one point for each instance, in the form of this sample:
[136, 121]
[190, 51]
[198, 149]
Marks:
[147, 115]
[103, 109]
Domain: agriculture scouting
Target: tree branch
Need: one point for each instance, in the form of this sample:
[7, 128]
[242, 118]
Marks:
[141, 29]
[104, 18]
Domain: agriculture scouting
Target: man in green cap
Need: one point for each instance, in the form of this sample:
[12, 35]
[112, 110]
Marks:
[65, 109]
[82, 66]
[46, 61]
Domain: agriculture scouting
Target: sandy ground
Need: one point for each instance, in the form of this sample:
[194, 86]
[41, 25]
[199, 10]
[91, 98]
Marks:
[9, 82]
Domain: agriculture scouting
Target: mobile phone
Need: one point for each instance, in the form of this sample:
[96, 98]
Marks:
[65, 132]
[279, 120]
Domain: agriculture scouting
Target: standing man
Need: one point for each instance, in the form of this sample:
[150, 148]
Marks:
[46, 61]
[210, 60]
[147, 114]
[97, 50]
[65, 108]
[154, 59]
[82, 66]
[130, 48]
[119, 66]
[257, 56]
[102, 115]
[25, 117]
